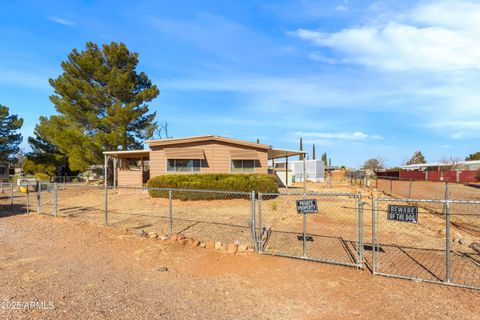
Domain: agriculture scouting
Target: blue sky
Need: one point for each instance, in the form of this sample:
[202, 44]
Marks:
[359, 79]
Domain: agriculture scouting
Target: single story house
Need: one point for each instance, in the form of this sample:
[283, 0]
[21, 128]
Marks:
[198, 154]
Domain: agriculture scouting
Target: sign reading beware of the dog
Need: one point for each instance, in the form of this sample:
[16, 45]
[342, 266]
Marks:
[403, 213]
[307, 206]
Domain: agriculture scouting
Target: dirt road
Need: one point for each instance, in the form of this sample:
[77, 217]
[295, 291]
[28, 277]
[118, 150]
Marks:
[76, 270]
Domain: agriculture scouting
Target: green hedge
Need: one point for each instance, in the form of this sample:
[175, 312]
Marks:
[42, 177]
[224, 182]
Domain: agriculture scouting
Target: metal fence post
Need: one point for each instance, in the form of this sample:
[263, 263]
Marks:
[252, 220]
[447, 241]
[28, 199]
[39, 196]
[410, 189]
[374, 235]
[360, 230]
[391, 187]
[170, 211]
[105, 186]
[11, 196]
[260, 230]
[54, 199]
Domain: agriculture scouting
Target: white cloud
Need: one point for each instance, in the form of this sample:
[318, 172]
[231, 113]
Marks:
[356, 135]
[434, 36]
[341, 7]
[61, 21]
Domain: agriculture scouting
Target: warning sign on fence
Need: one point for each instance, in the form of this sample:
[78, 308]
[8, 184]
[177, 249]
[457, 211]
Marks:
[403, 213]
[307, 206]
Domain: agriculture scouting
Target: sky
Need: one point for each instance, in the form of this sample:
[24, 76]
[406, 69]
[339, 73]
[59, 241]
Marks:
[359, 79]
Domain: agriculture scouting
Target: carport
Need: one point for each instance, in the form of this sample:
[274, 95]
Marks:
[128, 167]
[285, 153]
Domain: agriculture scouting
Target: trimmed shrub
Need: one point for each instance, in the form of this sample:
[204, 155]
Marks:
[42, 177]
[221, 182]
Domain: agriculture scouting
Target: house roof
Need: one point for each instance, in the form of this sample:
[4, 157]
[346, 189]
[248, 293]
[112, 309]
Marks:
[173, 141]
[128, 153]
[273, 153]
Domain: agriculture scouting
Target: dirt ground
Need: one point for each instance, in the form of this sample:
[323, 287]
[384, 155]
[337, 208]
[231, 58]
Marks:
[92, 272]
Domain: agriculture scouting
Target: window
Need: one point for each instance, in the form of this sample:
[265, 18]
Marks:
[3, 171]
[243, 165]
[181, 165]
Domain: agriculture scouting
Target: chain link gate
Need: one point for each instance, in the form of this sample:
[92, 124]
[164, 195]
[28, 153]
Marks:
[437, 246]
[333, 235]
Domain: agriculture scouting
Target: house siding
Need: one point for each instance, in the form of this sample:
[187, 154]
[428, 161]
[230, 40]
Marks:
[217, 157]
[129, 177]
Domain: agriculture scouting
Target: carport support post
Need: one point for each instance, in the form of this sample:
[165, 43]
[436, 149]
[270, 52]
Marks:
[447, 241]
[286, 172]
[115, 159]
[105, 186]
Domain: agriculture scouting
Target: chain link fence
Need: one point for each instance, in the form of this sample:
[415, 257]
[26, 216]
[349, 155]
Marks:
[441, 245]
[431, 247]
[420, 189]
[332, 235]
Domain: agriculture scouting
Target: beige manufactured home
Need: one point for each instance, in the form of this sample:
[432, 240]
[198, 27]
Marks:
[200, 154]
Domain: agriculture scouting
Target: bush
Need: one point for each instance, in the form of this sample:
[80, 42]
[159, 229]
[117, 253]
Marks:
[42, 177]
[222, 182]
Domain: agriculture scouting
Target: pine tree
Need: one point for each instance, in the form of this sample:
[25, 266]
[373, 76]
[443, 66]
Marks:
[101, 103]
[10, 138]
[313, 152]
[45, 157]
[300, 157]
[417, 158]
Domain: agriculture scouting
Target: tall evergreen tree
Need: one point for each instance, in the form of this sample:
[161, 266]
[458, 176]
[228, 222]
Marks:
[10, 138]
[325, 158]
[45, 157]
[417, 158]
[101, 103]
[313, 152]
[300, 157]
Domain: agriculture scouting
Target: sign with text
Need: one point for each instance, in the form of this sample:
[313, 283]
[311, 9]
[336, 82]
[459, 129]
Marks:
[26, 182]
[403, 213]
[307, 206]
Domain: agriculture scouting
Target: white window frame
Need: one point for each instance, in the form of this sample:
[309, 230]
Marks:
[254, 165]
[175, 166]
